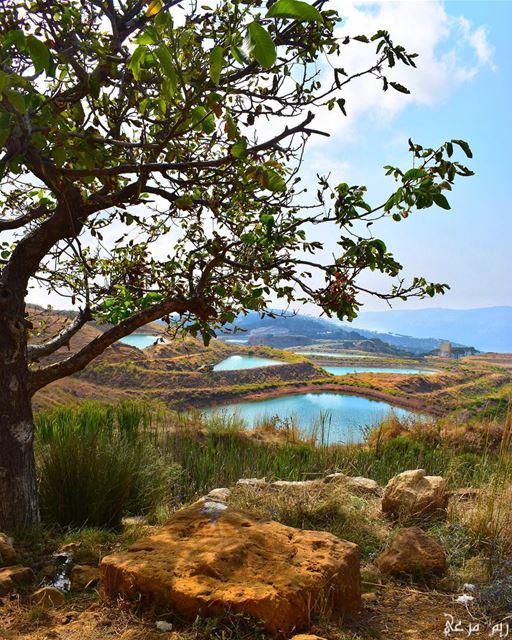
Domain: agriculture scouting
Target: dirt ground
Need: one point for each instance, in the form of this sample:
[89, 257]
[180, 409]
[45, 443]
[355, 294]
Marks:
[391, 613]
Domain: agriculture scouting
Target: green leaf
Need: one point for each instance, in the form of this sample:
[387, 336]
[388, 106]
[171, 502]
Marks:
[361, 39]
[16, 99]
[39, 54]
[464, 146]
[164, 57]
[59, 155]
[275, 181]
[4, 134]
[441, 201]
[263, 49]
[216, 63]
[239, 149]
[399, 87]
[295, 10]
[136, 61]
[5, 120]
[412, 174]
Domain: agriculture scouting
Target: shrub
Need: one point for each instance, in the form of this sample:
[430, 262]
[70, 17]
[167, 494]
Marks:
[96, 465]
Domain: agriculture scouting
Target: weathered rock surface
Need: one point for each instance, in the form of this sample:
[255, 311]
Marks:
[48, 597]
[8, 555]
[293, 484]
[357, 483]
[221, 494]
[213, 560]
[84, 576]
[11, 577]
[252, 482]
[412, 551]
[412, 494]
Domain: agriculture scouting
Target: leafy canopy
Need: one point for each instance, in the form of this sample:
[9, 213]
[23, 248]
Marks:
[151, 155]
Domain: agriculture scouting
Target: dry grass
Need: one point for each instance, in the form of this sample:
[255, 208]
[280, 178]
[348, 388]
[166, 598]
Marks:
[317, 506]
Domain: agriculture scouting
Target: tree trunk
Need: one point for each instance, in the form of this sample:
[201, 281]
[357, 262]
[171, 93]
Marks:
[18, 487]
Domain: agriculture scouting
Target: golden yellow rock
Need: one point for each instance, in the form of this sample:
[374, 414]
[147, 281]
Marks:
[213, 560]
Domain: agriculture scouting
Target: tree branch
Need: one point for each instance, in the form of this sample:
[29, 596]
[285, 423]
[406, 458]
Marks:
[37, 351]
[39, 378]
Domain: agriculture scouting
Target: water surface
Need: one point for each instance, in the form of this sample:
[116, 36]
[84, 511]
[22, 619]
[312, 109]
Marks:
[348, 415]
[343, 371]
[139, 340]
[235, 363]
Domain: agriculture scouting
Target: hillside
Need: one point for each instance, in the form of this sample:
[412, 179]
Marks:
[323, 329]
[487, 329]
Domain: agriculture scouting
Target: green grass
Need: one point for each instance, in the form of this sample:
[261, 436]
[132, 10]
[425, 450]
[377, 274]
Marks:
[98, 463]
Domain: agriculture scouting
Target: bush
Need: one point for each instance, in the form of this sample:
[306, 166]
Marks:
[96, 465]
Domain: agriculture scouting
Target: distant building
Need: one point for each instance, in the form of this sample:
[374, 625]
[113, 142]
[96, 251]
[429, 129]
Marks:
[445, 350]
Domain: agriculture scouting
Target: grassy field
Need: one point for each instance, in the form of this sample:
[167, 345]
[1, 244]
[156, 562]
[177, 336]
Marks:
[109, 473]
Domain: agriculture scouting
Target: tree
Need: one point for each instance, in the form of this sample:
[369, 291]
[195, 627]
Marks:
[139, 181]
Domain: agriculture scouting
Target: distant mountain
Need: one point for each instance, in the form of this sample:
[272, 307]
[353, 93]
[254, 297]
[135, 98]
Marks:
[317, 328]
[487, 328]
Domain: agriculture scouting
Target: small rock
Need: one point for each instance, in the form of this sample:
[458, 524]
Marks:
[48, 597]
[252, 482]
[163, 625]
[221, 494]
[335, 477]
[84, 576]
[414, 495]
[11, 577]
[355, 483]
[8, 555]
[412, 551]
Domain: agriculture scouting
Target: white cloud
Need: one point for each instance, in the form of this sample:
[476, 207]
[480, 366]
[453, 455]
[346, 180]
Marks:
[451, 51]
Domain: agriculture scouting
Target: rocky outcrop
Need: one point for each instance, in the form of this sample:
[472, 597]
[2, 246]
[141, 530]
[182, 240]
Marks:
[12, 577]
[414, 495]
[213, 560]
[8, 555]
[412, 551]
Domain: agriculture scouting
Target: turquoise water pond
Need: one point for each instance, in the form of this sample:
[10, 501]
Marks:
[349, 415]
[342, 371]
[139, 340]
[235, 363]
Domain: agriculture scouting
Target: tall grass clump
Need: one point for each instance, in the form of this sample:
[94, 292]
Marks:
[97, 464]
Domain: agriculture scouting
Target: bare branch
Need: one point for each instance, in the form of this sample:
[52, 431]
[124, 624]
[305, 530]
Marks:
[39, 378]
[37, 351]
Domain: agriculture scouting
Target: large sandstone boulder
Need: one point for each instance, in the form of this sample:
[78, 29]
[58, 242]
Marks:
[213, 560]
[414, 495]
[8, 555]
[412, 551]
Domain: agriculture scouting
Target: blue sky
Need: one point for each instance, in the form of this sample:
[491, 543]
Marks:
[461, 89]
